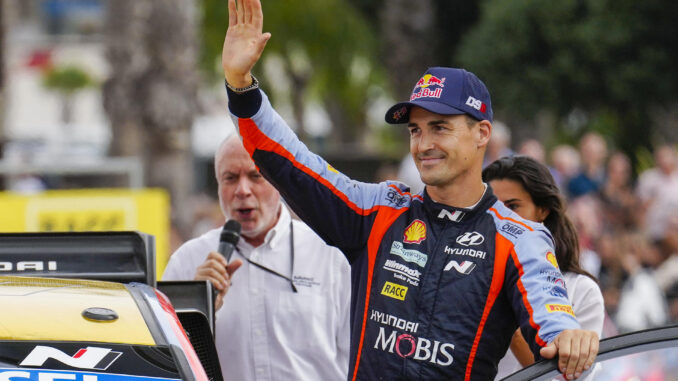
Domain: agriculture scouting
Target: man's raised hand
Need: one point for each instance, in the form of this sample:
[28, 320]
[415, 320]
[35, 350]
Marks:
[244, 41]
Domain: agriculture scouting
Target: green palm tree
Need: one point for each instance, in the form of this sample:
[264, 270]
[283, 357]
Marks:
[67, 81]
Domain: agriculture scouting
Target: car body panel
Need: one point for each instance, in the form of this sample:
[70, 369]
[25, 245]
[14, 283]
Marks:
[656, 350]
[63, 302]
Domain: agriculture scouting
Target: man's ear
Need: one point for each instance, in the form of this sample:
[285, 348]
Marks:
[484, 133]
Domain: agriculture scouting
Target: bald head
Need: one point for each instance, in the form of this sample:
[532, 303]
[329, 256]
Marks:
[229, 147]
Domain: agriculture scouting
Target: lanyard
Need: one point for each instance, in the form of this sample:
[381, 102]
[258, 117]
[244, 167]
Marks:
[271, 271]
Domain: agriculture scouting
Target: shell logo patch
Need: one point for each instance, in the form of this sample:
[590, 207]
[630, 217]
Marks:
[415, 233]
[552, 259]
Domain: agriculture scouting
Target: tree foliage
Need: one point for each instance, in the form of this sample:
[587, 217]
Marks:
[67, 79]
[327, 50]
[613, 60]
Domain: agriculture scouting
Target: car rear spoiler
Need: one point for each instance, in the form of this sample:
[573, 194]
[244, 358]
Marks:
[109, 256]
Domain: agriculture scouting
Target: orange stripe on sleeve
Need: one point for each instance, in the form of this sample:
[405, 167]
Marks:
[503, 247]
[382, 223]
[527, 304]
[496, 213]
[254, 139]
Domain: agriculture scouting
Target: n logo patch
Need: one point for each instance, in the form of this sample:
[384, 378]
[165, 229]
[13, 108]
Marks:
[85, 358]
[464, 267]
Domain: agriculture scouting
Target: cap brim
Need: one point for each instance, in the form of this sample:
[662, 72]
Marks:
[400, 112]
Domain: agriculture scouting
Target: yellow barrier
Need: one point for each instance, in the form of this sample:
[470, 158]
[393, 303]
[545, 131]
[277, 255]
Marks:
[145, 210]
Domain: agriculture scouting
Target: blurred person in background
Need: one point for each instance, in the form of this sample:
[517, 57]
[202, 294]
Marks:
[658, 191]
[500, 143]
[642, 304]
[586, 214]
[526, 186]
[591, 175]
[284, 314]
[565, 160]
[666, 273]
[534, 149]
[619, 203]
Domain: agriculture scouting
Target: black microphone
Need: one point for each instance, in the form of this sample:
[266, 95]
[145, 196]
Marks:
[230, 235]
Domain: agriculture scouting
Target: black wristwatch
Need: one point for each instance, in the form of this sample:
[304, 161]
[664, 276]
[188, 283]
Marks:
[240, 90]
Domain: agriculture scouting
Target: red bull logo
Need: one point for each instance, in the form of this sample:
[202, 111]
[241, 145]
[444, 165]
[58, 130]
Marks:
[429, 80]
[422, 90]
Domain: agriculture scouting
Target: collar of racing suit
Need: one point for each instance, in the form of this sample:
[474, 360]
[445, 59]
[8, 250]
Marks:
[446, 213]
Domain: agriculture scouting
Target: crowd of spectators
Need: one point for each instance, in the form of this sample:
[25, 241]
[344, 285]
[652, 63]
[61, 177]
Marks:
[627, 226]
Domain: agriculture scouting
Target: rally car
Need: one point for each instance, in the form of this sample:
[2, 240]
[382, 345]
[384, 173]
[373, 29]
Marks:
[121, 327]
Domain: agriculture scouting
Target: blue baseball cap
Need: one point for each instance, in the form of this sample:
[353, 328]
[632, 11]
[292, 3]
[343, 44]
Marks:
[445, 91]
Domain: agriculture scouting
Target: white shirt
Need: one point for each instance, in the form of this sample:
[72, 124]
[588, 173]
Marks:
[588, 306]
[642, 303]
[265, 331]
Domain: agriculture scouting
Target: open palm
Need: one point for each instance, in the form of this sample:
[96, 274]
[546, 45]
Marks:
[244, 41]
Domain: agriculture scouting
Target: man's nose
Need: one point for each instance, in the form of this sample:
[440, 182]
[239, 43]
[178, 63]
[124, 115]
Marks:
[425, 142]
[243, 188]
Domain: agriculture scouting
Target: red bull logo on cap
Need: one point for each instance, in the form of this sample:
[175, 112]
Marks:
[423, 87]
[429, 80]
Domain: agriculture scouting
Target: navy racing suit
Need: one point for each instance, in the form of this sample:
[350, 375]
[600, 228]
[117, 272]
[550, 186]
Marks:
[437, 292]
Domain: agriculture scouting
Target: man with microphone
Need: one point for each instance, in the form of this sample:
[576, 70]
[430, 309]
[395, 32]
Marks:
[284, 315]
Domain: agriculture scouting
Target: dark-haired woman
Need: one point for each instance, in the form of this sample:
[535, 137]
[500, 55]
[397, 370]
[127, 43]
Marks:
[527, 187]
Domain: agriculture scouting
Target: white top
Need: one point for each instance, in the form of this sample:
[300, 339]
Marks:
[264, 331]
[642, 303]
[587, 303]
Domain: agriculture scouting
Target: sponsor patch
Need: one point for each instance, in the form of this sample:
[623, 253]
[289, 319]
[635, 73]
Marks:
[464, 267]
[552, 259]
[476, 104]
[470, 239]
[393, 290]
[395, 198]
[406, 345]
[415, 233]
[512, 229]
[556, 279]
[399, 113]
[550, 271]
[454, 215]
[559, 308]
[467, 252]
[413, 256]
[423, 87]
[556, 291]
[394, 321]
[402, 272]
